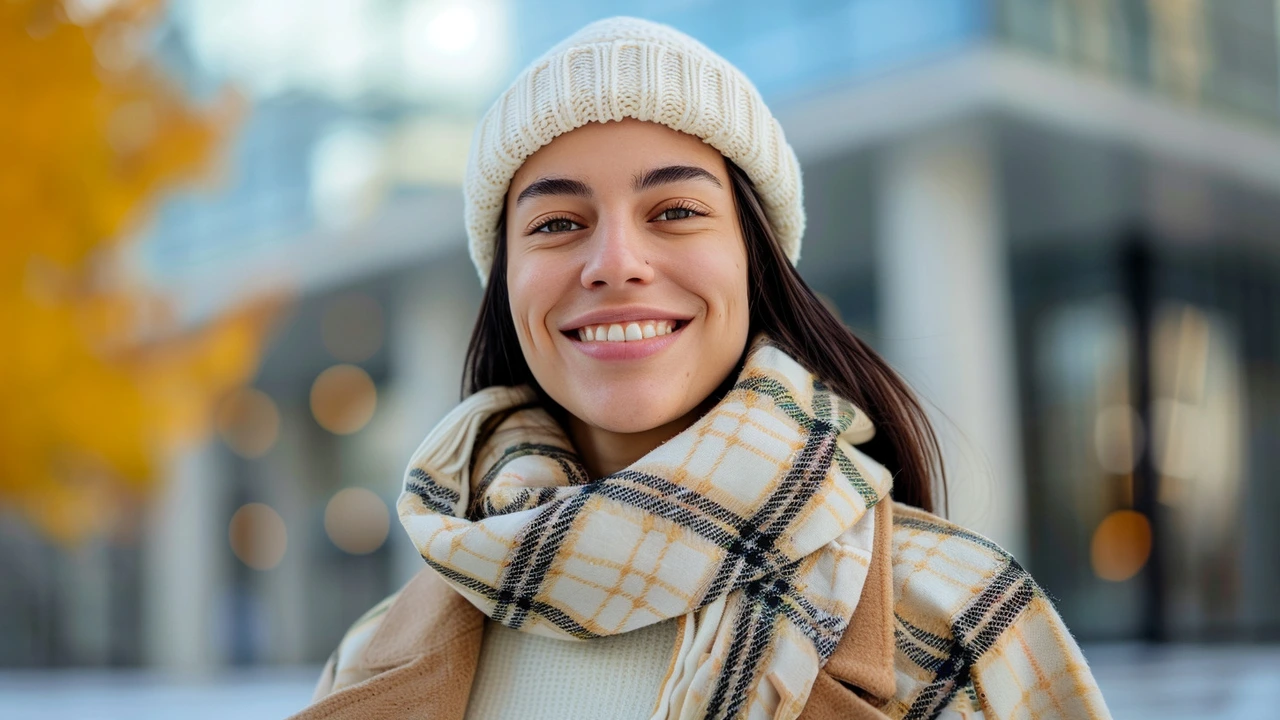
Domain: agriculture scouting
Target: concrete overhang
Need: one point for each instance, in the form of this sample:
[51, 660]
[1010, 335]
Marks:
[987, 78]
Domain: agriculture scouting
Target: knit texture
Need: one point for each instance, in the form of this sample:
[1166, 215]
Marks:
[535, 678]
[751, 528]
[629, 68]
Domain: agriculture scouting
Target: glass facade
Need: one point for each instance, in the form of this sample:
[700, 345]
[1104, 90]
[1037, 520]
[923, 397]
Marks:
[1154, 393]
[786, 49]
[1221, 55]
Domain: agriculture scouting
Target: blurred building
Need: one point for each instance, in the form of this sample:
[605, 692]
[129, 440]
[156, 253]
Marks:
[1060, 220]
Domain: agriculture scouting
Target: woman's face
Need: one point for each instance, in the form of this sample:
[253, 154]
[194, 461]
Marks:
[627, 273]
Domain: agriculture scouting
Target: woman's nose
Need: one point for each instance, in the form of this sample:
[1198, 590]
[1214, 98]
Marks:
[616, 257]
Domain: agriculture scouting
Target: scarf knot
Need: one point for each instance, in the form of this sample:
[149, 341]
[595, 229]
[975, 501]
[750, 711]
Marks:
[750, 529]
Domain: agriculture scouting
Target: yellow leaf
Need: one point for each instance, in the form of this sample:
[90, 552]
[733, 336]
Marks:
[87, 147]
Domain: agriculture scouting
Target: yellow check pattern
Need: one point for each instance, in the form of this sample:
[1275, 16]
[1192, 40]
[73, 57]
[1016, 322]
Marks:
[975, 636]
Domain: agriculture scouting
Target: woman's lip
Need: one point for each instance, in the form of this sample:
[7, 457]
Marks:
[621, 316]
[630, 350]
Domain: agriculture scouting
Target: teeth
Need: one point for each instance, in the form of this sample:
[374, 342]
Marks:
[630, 332]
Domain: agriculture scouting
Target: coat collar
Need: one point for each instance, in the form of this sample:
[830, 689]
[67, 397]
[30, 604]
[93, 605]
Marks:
[864, 656]
[859, 678]
[428, 616]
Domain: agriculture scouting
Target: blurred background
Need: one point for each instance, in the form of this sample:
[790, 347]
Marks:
[234, 296]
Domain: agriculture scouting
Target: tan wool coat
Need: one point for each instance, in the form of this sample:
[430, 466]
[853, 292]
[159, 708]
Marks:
[948, 626]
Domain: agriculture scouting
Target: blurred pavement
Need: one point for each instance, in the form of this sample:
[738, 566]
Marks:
[1188, 681]
[1139, 682]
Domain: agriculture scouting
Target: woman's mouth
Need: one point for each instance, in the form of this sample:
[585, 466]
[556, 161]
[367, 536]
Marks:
[627, 340]
[626, 331]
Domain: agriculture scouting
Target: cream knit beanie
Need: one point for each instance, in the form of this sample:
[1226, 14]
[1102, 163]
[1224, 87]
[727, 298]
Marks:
[629, 68]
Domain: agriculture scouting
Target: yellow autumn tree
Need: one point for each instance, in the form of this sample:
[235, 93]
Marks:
[97, 383]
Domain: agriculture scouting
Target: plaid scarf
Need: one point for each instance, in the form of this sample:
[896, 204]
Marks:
[750, 528]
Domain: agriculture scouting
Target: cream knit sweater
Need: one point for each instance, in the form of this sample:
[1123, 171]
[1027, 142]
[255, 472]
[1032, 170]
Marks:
[530, 677]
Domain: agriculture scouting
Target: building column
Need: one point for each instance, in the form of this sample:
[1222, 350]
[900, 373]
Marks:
[184, 573]
[432, 319]
[282, 476]
[946, 317]
[85, 584]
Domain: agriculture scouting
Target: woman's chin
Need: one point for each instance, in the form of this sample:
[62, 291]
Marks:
[624, 414]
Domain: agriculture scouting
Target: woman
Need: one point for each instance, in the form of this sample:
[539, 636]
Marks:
[666, 453]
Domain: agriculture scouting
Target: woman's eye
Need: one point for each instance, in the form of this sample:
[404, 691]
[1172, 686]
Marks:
[677, 213]
[558, 225]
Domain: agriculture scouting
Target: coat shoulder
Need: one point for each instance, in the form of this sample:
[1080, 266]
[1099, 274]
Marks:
[420, 619]
[345, 667]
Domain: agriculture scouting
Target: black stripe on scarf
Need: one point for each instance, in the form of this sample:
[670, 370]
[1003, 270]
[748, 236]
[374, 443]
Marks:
[822, 628]
[763, 601]
[556, 616]
[567, 460]
[975, 629]
[767, 589]
[435, 496]
[536, 549]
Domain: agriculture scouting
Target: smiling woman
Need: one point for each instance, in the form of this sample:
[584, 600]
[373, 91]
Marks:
[678, 487]
[621, 227]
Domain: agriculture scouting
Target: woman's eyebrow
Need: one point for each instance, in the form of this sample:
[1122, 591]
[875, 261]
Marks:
[554, 186]
[673, 174]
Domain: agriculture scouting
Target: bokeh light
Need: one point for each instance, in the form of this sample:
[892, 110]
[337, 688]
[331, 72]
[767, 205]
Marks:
[1121, 545]
[343, 399]
[258, 536]
[1118, 438]
[351, 327]
[357, 520]
[347, 175]
[248, 422]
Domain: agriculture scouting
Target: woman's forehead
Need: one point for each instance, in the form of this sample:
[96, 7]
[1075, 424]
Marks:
[619, 153]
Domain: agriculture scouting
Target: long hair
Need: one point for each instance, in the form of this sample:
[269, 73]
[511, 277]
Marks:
[784, 308]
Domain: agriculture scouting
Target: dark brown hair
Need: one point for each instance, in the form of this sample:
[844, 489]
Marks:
[782, 307]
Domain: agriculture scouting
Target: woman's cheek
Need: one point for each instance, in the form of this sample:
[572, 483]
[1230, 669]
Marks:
[528, 306]
[724, 287]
